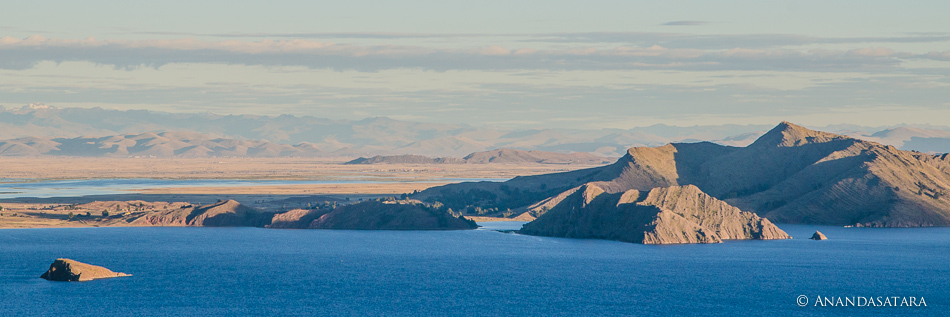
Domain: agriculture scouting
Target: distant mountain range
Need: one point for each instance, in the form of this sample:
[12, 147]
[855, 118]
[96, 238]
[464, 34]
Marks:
[35, 129]
[502, 156]
[164, 144]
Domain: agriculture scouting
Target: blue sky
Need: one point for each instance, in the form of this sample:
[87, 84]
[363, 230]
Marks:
[576, 64]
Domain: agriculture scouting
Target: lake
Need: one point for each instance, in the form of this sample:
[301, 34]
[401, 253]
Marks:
[17, 188]
[254, 271]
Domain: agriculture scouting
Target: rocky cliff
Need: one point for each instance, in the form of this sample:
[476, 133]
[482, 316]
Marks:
[678, 214]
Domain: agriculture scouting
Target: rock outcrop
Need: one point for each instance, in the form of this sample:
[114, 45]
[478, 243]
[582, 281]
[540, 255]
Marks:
[678, 214]
[296, 218]
[819, 236]
[790, 175]
[66, 270]
[391, 215]
[228, 213]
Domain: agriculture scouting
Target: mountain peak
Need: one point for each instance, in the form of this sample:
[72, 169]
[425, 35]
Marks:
[787, 134]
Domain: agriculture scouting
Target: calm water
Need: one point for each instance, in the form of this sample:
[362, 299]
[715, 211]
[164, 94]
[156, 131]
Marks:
[16, 188]
[251, 271]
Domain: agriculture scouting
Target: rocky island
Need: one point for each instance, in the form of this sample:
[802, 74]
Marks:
[66, 270]
[669, 215]
[375, 215]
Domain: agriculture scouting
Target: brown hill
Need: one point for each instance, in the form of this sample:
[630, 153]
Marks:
[406, 159]
[679, 214]
[790, 175]
[296, 218]
[512, 156]
[391, 215]
[228, 213]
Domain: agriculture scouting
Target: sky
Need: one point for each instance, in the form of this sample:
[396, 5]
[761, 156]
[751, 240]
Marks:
[526, 64]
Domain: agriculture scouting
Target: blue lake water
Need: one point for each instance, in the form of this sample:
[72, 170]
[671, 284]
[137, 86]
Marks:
[16, 188]
[253, 271]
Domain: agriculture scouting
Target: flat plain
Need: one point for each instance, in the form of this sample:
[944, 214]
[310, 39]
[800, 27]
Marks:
[281, 168]
[343, 182]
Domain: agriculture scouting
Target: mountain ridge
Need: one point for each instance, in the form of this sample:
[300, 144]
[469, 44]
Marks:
[789, 175]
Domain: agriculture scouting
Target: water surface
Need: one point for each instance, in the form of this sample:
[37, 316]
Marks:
[17, 188]
[253, 271]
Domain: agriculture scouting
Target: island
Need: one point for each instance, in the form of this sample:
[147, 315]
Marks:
[66, 270]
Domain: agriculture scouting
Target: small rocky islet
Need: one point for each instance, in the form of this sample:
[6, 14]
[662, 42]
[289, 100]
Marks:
[67, 270]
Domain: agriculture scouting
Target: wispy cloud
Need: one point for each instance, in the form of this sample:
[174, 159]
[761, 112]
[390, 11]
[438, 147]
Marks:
[940, 56]
[666, 39]
[23, 53]
[687, 22]
[331, 35]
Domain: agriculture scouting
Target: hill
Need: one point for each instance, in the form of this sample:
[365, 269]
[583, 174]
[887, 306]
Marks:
[406, 159]
[504, 156]
[906, 138]
[513, 156]
[789, 175]
[227, 213]
[374, 215]
[384, 136]
[679, 214]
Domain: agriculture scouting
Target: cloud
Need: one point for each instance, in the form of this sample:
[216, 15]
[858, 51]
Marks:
[687, 22]
[332, 35]
[940, 56]
[666, 39]
[24, 53]
[723, 41]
